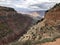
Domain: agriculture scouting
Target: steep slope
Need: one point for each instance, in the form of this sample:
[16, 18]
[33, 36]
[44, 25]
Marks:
[53, 15]
[46, 30]
[12, 24]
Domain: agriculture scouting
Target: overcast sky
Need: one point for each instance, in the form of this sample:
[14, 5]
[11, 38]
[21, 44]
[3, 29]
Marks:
[29, 5]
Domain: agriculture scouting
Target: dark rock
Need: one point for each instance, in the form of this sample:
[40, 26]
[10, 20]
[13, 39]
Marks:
[12, 25]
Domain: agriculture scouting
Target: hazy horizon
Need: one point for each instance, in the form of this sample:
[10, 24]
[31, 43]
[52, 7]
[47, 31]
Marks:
[27, 6]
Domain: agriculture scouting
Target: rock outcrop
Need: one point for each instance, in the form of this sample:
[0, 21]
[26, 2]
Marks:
[45, 31]
[52, 16]
[12, 24]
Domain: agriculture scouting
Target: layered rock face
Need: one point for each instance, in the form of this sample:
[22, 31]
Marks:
[12, 25]
[46, 30]
[53, 15]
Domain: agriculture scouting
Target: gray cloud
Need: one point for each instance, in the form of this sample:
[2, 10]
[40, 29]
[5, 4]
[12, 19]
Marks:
[30, 5]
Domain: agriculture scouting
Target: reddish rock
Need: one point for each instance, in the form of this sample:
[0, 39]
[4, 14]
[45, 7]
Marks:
[52, 16]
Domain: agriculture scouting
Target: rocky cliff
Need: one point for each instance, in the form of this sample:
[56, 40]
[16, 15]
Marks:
[12, 24]
[47, 30]
[52, 16]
